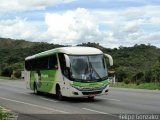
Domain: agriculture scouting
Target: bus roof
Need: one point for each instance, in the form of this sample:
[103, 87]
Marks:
[68, 50]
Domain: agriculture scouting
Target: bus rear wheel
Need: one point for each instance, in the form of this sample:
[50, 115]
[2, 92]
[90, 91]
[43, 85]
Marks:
[35, 89]
[58, 93]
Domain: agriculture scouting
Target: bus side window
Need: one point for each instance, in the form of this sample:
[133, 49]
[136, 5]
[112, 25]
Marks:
[27, 65]
[52, 60]
[42, 63]
[33, 64]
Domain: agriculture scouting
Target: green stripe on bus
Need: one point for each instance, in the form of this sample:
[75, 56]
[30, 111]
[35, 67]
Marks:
[95, 84]
[45, 79]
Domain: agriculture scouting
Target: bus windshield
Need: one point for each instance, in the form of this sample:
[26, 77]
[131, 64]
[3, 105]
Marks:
[88, 68]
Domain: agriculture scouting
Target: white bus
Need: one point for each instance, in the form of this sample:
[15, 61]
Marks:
[68, 71]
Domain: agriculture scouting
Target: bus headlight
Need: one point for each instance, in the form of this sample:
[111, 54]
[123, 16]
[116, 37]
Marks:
[77, 87]
[104, 86]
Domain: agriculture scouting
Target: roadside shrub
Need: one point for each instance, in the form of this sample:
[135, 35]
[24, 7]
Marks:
[13, 71]
[137, 83]
[121, 75]
[126, 81]
[13, 75]
[18, 74]
[7, 72]
[3, 114]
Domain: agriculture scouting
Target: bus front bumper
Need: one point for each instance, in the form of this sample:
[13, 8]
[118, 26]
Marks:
[73, 92]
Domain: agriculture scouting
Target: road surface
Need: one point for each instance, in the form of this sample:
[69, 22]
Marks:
[119, 101]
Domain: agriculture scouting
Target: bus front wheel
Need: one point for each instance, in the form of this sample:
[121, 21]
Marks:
[58, 93]
[91, 98]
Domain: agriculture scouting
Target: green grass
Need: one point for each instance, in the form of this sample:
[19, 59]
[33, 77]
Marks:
[3, 114]
[4, 78]
[8, 78]
[149, 86]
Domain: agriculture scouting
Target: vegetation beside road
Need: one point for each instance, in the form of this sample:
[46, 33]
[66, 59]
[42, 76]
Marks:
[4, 78]
[6, 114]
[3, 114]
[149, 86]
[13, 53]
[136, 64]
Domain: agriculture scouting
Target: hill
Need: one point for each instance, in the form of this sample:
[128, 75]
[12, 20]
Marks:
[14, 44]
[140, 63]
[136, 63]
[13, 52]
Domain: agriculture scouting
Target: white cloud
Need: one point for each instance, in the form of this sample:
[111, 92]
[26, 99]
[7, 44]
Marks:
[111, 28]
[133, 13]
[23, 5]
[21, 29]
[130, 26]
[73, 26]
[151, 37]
[155, 20]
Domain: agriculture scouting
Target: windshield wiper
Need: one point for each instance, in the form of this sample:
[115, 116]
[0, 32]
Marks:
[94, 69]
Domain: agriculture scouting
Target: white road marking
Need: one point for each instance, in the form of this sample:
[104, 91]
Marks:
[34, 105]
[95, 111]
[48, 99]
[100, 112]
[108, 99]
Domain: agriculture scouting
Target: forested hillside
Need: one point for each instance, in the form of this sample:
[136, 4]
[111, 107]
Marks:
[138, 63]
[14, 44]
[13, 53]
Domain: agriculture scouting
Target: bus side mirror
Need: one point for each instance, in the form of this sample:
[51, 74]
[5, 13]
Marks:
[110, 59]
[67, 60]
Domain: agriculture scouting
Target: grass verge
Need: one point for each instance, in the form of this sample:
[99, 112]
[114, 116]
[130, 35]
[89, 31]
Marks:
[3, 114]
[4, 78]
[149, 86]
[8, 78]
[7, 114]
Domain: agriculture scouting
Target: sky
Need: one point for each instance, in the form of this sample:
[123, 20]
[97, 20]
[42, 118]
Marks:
[111, 23]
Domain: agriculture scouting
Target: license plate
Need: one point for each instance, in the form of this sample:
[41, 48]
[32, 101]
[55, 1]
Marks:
[92, 95]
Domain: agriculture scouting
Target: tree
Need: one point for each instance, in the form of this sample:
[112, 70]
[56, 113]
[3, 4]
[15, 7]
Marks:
[121, 75]
[148, 76]
[156, 71]
[138, 76]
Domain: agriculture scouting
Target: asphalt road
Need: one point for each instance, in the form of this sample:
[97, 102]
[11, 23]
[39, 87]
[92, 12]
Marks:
[15, 96]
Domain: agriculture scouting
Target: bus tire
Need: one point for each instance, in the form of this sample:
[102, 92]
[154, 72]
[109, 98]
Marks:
[58, 93]
[91, 98]
[35, 89]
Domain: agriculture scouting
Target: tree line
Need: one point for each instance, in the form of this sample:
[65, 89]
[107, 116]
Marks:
[136, 64]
